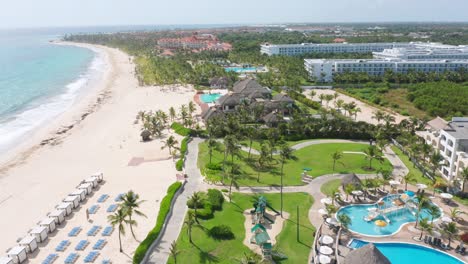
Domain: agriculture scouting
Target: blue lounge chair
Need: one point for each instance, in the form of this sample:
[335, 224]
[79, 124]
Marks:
[50, 259]
[93, 209]
[82, 245]
[107, 231]
[119, 197]
[99, 244]
[93, 231]
[62, 245]
[91, 257]
[103, 198]
[71, 258]
[106, 261]
[112, 208]
[74, 232]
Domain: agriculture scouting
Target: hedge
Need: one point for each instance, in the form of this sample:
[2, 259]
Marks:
[216, 198]
[164, 209]
[181, 130]
[183, 150]
[303, 99]
[221, 232]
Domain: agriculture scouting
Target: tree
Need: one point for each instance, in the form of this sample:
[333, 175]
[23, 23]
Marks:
[119, 218]
[464, 177]
[422, 203]
[233, 177]
[190, 223]
[197, 201]
[378, 115]
[312, 94]
[170, 143]
[321, 98]
[435, 160]
[285, 154]
[454, 213]
[328, 98]
[263, 158]
[250, 133]
[336, 156]
[450, 231]
[372, 153]
[250, 258]
[408, 178]
[434, 211]
[173, 251]
[172, 113]
[131, 203]
[425, 226]
[212, 145]
[345, 220]
[348, 190]
[339, 104]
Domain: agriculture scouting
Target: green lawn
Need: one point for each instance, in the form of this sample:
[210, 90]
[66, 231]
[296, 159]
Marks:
[317, 157]
[257, 145]
[417, 174]
[208, 250]
[329, 187]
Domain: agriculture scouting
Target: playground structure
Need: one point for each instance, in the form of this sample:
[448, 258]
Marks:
[390, 206]
[259, 232]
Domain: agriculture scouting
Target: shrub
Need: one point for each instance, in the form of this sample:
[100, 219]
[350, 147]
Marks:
[180, 164]
[154, 233]
[206, 212]
[216, 198]
[183, 146]
[214, 166]
[181, 130]
[221, 232]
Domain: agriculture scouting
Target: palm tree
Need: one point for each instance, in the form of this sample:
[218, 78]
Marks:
[336, 156]
[197, 200]
[250, 133]
[348, 190]
[425, 226]
[450, 230]
[233, 177]
[173, 251]
[464, 177]
[339, 104]
[250, 258]
[285, 154]
[454, 213]
[345, 220]
[335, 96]
[212, 145]
[435, 159]
[190, 223]
[263, 159]
[378, 115]
[170, 143]
[191, 108]
[312, 94]
[172, 114]
[372, 153]
[328, 98]
[130, 204]
[434, 211]
[322, 98]
[119, 219]
[422, 202]
[408, 178]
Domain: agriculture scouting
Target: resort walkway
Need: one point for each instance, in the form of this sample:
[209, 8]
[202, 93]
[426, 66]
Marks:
[174, 225]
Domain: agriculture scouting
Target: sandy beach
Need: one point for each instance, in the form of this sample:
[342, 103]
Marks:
[98, 134]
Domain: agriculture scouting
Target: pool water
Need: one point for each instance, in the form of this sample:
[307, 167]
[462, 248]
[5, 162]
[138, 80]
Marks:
[210, 98]
[397, 218]
[404, 253]
[241, 69]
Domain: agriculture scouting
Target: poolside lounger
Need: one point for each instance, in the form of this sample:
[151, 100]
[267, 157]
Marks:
[94, 230]
[458, 249]
[50, 259]
[106, 261]
[82, 245]
[93, 209]
[103, 198]
[119, 197]
[426, 239]
[107, 231]
[463, 251]
[99, 244]
[91, 257]
[62, 245]
[112, 208]
[74, 232]
[71, 258]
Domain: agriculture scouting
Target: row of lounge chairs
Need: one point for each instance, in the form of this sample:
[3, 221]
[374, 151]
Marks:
[112, 208]
[460, 250]
[102, 198]
[119, 197]
[99, 244]
[82, 245]
[75, 231]
[434, 241]
[94, 230]
[91, 257]
[93, 209]
[50, 259]
[107, 231]
[62, 245]
[72, 258]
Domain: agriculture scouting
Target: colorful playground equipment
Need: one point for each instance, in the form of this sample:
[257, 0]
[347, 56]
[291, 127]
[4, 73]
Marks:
[258, 214]
[391, 205]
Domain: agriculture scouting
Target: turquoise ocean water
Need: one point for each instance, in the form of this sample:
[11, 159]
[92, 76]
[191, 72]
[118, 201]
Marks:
[38, 81]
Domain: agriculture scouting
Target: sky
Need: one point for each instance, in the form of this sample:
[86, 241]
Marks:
[64, 13]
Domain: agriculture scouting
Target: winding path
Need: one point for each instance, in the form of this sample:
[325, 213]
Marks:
[195, 183]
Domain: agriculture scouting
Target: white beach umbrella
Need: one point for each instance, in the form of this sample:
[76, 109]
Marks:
[326, 240]
[393, 182]
[326, 201]
[323, 259]
[446, 219]
[421, 186]
[446, 195]
[332, 221]
[322, 211]
[326, 250]
[357, 192]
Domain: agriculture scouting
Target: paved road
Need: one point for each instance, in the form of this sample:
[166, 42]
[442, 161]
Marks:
[194, 182]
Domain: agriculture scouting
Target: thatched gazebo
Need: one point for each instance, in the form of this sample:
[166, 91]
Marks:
[368, 254]
[351, 179]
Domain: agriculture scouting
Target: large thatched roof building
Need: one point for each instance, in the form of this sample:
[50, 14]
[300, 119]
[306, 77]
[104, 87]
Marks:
[368, 254]
[352, 179]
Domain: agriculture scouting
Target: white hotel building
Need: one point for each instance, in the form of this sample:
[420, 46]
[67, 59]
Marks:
[324, 69]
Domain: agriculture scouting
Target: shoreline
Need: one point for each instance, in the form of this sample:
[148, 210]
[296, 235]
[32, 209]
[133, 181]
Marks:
[54, 130]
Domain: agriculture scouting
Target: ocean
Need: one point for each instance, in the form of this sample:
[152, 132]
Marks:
[38, 81]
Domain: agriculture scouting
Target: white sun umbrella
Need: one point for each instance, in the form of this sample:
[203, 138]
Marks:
[421, 186]
[326, 239]
[326, 201]
[323, 259]
[393, 182]
[326, 250]
[332, 221]
[357, 192]
[446, 195]
[446, 219]
[322, 211]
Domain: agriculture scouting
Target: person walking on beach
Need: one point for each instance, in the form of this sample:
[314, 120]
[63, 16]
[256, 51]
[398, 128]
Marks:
[87, 214]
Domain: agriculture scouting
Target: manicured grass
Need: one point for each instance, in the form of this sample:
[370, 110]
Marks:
[208, 250]
[317, 157]
[417, 174]
[257, 145]
[329, 187]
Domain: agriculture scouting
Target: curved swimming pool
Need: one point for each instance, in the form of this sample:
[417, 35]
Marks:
[405, 253]
[210, 98]
[395, 218]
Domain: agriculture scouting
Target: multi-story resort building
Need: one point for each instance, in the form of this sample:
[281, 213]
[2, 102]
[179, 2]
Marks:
[298, 49]
[194, 42]
[425, 51]
[324, 69]
[451, 139]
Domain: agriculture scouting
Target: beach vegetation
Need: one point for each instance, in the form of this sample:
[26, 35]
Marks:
[130, 204]
[119, 219]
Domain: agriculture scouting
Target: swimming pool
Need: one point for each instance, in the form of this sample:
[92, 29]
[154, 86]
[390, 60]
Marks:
[210, 98]
[394, 218]
[241, 69]
[405, 253]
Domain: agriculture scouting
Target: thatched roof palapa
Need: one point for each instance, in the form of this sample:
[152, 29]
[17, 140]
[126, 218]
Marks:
[351, 179]
[368, 254]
